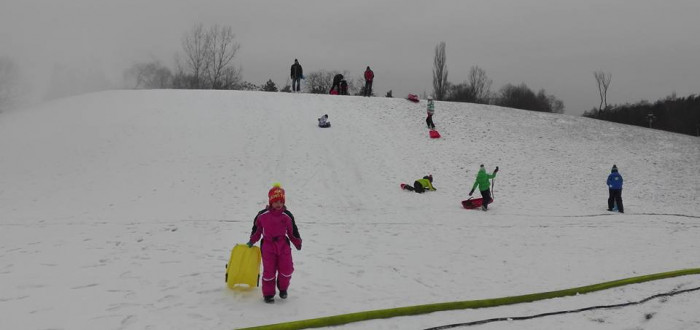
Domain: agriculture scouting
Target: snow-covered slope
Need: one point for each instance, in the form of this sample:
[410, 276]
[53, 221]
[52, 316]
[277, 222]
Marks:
[119, 209]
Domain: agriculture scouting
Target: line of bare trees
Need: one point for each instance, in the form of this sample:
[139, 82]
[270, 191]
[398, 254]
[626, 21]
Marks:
[205, 63]
[477, 89]
[674, 114]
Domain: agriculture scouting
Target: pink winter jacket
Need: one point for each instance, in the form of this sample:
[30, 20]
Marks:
[273, 226]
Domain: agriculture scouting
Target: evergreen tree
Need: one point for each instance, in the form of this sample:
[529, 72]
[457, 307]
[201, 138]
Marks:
[269, 86]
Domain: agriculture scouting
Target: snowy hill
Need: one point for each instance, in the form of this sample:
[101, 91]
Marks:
[119, 209]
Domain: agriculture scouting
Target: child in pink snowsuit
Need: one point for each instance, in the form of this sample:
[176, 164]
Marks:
[276, 226]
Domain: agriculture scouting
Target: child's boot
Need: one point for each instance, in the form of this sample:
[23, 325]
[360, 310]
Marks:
[283, 294]
[270, 299]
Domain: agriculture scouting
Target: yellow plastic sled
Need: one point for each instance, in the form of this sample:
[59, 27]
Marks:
[244, 266]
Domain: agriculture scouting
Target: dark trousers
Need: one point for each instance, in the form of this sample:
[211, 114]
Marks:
[417, 187]
[295, 84]
[368, 88]
[429, 121]
[615, 196]
[486, 195]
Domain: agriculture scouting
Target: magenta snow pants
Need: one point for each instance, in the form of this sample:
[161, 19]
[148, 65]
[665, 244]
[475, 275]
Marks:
[277, 263]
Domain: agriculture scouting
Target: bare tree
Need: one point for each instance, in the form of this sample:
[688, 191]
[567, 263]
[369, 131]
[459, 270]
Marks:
[220, 53]
[208, 59]
[9, 83]
[479, 84]
[319, 82]
[557, 105]
[148, 75]
[440, 72]
[603, 81]
[231, 78]
[196, 45]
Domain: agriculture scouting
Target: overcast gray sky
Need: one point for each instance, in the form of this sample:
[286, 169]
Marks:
[650, 47]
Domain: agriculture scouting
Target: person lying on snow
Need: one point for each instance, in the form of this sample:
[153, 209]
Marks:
[277, 227]
[420, 185]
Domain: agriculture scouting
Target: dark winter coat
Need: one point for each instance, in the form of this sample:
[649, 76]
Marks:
[297, 72]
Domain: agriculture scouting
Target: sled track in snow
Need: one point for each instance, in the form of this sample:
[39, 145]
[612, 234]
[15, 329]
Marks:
[167, 221]
[609, 214]
[520, 318]
[469, 304]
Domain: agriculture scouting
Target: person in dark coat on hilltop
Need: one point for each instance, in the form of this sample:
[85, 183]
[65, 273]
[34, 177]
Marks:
[615, 190]
[343, 87]
[297, 74]
[336, 83]
[369, 78]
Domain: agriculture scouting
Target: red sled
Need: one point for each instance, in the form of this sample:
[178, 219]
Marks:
[413, 98]
[434, 134]
[473, 203]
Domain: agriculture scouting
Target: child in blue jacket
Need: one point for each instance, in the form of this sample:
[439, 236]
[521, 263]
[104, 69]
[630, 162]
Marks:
[615, 190]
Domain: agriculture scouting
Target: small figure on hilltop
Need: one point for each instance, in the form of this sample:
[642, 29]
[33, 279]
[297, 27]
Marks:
[297, 74]
[431, 111]
[336, 84]
[323, 121]
[369, 78]
[343, 87]
[420, 185]
[482, 182]
[277, 227]
[615, 190]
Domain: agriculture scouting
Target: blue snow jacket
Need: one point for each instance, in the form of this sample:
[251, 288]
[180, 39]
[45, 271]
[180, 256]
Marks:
[615, 180]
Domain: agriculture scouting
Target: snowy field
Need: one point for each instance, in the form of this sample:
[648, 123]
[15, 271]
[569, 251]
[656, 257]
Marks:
[118, 210]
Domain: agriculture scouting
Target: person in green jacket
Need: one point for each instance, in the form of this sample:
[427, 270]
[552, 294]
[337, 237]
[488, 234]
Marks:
[482, 181]
[420, 185]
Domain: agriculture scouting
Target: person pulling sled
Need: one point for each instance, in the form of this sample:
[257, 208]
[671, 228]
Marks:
[276, 226]
[484, 185]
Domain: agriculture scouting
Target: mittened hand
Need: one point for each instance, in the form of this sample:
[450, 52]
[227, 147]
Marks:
[249, 244]
[298, 247]
[496, 170]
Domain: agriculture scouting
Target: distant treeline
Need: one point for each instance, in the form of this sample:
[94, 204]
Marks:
[477, 89]
[673, 114]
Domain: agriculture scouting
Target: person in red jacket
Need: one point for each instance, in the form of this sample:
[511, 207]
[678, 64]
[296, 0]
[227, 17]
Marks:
[369, 77]
[276, 226]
